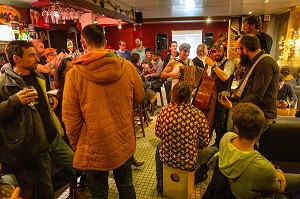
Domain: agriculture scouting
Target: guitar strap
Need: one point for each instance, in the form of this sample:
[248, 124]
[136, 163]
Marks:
[243, 85]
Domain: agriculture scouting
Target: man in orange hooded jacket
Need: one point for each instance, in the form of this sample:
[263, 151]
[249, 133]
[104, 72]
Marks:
[98, 98]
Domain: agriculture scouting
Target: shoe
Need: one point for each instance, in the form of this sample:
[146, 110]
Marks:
[159, 186]
[200, 178]
[137, 164]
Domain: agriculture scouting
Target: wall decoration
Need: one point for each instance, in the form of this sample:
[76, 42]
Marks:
[9, 14]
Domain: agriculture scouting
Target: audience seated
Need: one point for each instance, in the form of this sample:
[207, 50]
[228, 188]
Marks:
[150, 95]
[286, 94]
[146, 63]
[154, 75]
[250, 174]
[184, 134]
[288, 78]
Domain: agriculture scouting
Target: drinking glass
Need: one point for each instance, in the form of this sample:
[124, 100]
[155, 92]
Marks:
[31, 104]
[6, 190]
[289, 101]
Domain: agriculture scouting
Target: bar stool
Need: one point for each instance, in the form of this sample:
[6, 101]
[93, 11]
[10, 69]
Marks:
[138, 118]
[157, 89]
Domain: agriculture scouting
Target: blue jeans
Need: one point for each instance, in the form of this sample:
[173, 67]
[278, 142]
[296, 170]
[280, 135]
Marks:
[98, 182]
[203, 157]
[62, 155]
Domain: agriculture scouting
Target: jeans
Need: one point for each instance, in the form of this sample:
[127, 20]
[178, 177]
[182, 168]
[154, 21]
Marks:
[168, 87]
[203, 157]
[62, 155]
[40, 178]
[37, 183]
[159, 164]
[98, 182]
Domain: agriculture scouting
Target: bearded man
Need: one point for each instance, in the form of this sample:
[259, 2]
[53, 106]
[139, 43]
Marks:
[222, 71]
[260, 83]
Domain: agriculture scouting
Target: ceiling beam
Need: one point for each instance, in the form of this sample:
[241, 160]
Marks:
[87, 6]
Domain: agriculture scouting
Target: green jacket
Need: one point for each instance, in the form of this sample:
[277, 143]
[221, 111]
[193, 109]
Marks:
[250, 174]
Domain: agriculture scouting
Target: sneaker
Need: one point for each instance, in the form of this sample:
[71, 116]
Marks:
[137, 164]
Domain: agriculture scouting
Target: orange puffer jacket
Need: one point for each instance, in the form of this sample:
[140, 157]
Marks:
[97, 111]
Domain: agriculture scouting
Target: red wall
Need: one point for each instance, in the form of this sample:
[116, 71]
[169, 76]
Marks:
[148, 31]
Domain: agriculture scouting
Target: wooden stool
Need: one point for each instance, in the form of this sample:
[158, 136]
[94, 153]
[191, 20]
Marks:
[177, 184]
[157, 89]
[138, 112]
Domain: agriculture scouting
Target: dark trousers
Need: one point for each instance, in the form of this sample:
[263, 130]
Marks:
[98, 182]
[220, 122]
[37, 183]
[34, 183]
[168, 87]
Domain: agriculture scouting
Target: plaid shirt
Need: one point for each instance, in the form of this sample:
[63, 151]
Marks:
[183, 129]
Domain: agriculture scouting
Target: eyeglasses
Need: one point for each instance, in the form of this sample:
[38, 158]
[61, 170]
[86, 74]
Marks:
[123, 45]
[240, 48]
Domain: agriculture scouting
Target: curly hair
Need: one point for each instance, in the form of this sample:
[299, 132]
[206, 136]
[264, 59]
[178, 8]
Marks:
[248, 119]
[16, 47]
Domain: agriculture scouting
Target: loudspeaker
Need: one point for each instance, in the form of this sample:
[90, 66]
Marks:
[139, 17]
[209, 39]
[161, 41]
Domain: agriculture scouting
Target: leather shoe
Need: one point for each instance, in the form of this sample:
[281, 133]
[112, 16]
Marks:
[159, 186]
[137, 164]
[200, 178]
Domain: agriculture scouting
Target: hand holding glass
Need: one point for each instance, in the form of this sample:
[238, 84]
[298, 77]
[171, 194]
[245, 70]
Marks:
[33, 103]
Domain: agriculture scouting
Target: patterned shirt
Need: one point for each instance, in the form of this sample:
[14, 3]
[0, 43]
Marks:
[183, 129]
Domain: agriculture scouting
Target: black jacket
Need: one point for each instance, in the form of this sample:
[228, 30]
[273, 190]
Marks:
[265, 41]
[262, 86]
[22, 134]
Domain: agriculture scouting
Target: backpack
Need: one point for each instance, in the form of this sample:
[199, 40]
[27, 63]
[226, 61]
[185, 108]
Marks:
[218, 187]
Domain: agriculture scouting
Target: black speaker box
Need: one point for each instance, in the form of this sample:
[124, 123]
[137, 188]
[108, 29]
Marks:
[209, 39]
[139, 17]
[161, 41]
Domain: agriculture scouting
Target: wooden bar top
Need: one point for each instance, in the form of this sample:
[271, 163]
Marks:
[286, 111]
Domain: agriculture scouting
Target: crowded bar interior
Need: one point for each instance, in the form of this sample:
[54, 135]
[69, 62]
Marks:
[149, 99]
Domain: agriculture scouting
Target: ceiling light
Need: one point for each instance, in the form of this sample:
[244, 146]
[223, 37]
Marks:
[119, 25]
[250, 13]
[266, 1]
[208, 20]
